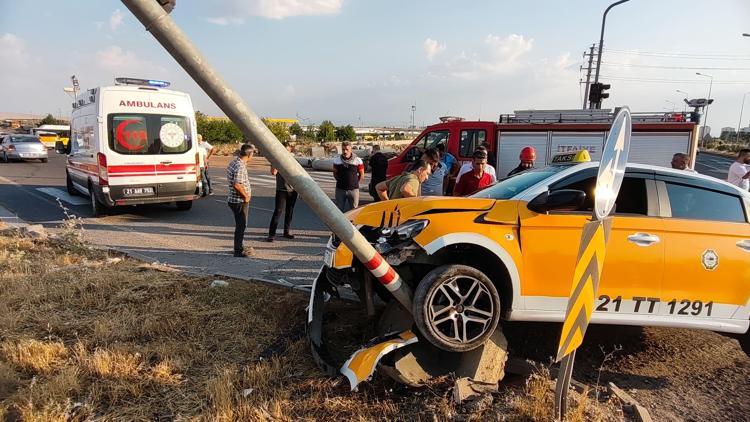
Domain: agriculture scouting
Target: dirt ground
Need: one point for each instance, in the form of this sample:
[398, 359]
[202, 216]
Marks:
[85, 335]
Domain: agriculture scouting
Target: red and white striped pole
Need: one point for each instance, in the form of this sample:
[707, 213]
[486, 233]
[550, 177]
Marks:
[163, 28]
[389, 278]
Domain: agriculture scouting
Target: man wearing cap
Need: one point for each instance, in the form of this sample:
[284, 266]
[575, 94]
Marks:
[528, 156]
[477, 179]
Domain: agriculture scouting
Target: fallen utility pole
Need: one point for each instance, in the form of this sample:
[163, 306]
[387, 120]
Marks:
[170, 36]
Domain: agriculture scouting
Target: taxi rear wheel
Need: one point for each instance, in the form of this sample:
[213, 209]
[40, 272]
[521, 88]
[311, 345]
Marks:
[456, 307]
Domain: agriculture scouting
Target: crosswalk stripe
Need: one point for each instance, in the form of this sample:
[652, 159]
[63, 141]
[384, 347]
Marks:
[63, 196]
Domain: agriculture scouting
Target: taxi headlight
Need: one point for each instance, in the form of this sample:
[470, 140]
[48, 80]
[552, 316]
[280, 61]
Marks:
[407, 230]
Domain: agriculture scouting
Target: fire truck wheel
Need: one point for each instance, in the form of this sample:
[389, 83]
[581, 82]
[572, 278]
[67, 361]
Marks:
[69, 185]
[456, 307]
[184, 205]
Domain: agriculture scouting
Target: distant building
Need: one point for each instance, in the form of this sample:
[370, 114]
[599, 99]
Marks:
[727, 133]
[705, 134]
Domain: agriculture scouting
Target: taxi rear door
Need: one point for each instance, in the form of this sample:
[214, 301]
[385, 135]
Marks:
[630, 286]
[707, 239]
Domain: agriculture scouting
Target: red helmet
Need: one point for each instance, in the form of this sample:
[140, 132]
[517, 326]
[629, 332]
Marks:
[528, 154]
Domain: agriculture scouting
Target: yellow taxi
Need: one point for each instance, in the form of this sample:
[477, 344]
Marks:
[678, 253]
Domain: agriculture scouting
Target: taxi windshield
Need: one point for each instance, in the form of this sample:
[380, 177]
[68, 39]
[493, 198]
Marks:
[512, 186]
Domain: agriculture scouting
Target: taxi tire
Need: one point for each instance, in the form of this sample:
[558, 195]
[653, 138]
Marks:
[433, 281]
[745, 343]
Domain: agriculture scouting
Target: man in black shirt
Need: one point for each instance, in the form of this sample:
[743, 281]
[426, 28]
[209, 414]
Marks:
[378, 167]
[348, 170]
[286, 197]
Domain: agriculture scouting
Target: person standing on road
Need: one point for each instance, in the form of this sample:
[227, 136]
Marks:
[739, 171]
[680, 161]
[406, 185]
[205, 151]
[527, 157]
[348, 170]
[239, 196]
[435, 183]
[378, 169]
[476, 180]
[469, 167]
[286, 197]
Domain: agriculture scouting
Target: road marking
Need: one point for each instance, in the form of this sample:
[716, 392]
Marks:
[63, 196]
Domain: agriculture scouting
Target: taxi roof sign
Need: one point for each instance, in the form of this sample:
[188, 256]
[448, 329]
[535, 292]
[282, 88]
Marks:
[577, 157]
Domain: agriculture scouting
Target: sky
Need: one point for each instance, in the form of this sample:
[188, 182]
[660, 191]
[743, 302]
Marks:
[367, 62]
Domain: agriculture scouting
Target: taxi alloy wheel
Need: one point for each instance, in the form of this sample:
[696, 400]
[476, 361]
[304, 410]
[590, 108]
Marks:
[456, 307]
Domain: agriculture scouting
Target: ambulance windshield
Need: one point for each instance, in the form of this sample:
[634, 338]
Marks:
[511, 186]
[148, 134]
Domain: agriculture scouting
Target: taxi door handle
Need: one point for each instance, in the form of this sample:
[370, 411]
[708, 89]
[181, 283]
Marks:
[744, 245]
[643, 239]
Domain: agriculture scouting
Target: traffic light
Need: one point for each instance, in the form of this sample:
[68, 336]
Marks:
[597, 94]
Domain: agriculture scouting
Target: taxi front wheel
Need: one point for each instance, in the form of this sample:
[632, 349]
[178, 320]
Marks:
[456, 307]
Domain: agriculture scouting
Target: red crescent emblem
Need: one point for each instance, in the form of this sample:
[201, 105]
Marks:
[124, 136]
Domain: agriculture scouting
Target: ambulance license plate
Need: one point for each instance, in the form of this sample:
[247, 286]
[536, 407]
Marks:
[149, 191]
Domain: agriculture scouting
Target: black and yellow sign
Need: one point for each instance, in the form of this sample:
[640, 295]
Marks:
[581, 156]
[586, 277]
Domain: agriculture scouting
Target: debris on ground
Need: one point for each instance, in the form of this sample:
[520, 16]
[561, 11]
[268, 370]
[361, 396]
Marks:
[157, 266]
[218, 283]
[31, 231]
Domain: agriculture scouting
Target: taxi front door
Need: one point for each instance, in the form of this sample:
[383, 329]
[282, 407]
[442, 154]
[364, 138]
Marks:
[634, 263]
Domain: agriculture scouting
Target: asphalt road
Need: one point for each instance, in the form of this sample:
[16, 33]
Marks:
[199, 240]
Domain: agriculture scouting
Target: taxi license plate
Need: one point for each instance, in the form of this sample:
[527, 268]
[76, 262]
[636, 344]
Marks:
[328, 258]
[138, 191]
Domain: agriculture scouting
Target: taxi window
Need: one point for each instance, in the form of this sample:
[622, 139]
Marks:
[512, 186]
[632, 199]
[694, 203]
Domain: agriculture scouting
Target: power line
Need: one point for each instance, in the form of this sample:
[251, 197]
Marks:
[679, 55]
[650, 66]
[682, 81]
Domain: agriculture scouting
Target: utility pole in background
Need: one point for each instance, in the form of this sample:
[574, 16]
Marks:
[601, 48]
[413, 109]
[588, 75]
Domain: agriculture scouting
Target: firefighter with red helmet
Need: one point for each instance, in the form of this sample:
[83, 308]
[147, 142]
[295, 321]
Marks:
[528, 156]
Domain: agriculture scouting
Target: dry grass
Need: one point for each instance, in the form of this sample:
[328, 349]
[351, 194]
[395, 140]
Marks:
[105, 341]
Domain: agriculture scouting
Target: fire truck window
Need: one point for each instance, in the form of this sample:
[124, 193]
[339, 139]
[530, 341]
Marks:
[147, 134]
[632, 198]
[470, 140]
[432, 139]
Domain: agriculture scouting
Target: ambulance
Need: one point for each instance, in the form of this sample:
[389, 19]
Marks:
[133, 143]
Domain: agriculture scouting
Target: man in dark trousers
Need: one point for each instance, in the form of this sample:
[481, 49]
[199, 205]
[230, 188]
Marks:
[286, 197]
[378, 167]
[239, 196]
[348, 170]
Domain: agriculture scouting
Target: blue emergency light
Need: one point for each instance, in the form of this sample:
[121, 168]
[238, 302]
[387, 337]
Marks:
[142, 82]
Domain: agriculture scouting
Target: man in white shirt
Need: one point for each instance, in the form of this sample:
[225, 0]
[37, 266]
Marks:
[739, 171]
[469, 166]
[205, 151]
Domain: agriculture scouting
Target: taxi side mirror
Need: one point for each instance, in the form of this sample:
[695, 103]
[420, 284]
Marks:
[60, 147]
[559, 200]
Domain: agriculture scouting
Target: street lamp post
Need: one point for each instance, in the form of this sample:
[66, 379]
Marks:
[705, 118]
[687, 96]
[601, 39]
[742, 108]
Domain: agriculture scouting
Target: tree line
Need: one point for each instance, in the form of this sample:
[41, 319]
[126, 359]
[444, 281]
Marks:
[224, 131]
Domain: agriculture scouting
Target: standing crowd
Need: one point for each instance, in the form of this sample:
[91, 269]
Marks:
[435, 173]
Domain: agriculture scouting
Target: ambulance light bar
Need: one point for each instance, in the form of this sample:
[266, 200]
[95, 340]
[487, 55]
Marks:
[142, 82]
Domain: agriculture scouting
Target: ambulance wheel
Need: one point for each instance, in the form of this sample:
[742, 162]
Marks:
[69, 185]
[184, 205]
[456, 307]
[97, 208]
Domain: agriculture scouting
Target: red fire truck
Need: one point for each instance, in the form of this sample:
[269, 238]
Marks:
[656, 137]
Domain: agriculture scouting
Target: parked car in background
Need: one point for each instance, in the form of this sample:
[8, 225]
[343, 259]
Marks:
[22, 147]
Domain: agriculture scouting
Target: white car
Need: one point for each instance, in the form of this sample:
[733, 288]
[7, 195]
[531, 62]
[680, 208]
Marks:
[22, 147]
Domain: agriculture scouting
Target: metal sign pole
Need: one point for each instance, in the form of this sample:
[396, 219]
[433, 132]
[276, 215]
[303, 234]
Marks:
[170, 36]
[591, 253]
